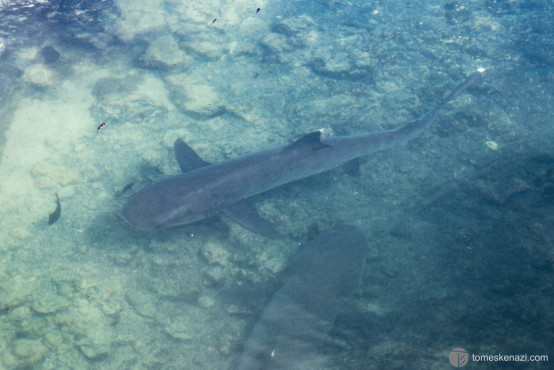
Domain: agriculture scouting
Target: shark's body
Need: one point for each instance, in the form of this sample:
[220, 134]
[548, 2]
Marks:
[204, 189]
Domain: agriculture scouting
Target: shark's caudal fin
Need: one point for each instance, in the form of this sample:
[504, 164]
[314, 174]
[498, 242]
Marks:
[473, 79]
[243, 213]
[413, 129]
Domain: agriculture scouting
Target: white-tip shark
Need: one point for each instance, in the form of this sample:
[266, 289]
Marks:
[204, 189]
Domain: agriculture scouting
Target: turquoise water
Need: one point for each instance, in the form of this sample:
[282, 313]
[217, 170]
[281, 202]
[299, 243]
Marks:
[460, 221]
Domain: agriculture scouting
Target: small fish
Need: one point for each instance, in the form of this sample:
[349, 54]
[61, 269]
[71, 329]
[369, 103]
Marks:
[101, 127]
[54, 216]
[215, 19]
[258, 10]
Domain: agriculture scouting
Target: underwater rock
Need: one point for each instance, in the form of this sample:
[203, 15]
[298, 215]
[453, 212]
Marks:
[51, 176]
[277, 44]
[172, 284]
[39, 75]
[15, 291]
[29, 352]
[49, 54]
[500, 192]
[179, 330]
[234, 309]
[252, 28]
[328, 110]
[205, 302]
[288, 37]
[164, 52]
[192, 95]
[456, 13]
[52, 295]
[21, 313]
[92, 351]
[207, 49]
[249, 35]
[143, 304]
[20, 233]
[111, 307]
[272, 261]
[110, 88]
[133, 21]
[298, 30]
[54, 339]
[48, 303]
[94, 330]
[340, 67]
[135, 98]
[214, 275]
[215, 254]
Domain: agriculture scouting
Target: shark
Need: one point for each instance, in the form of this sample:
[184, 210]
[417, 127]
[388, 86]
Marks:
[317, 285]
[204, 189]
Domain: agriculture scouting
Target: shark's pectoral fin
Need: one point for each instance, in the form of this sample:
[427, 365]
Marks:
[245, 214]
[351, 168]
[186, 157]
[310, 141]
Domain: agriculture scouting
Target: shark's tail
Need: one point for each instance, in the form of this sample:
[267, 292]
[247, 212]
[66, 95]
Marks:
[473, 78]
[413, 129]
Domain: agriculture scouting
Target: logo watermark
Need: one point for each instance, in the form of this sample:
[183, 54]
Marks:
[459, 357]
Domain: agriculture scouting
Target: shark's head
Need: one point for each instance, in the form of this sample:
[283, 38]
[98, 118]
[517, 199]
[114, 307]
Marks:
[147, 215]
[163, 204]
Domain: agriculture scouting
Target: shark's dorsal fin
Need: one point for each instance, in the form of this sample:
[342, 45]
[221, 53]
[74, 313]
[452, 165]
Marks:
[311, 141]
[186, 157]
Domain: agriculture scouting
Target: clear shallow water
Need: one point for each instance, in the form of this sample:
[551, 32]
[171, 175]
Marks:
[460, 235]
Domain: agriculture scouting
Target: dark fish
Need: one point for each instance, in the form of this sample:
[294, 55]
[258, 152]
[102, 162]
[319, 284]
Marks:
[258, 10]
[215, 19]
[54, 216]
[100, 127]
